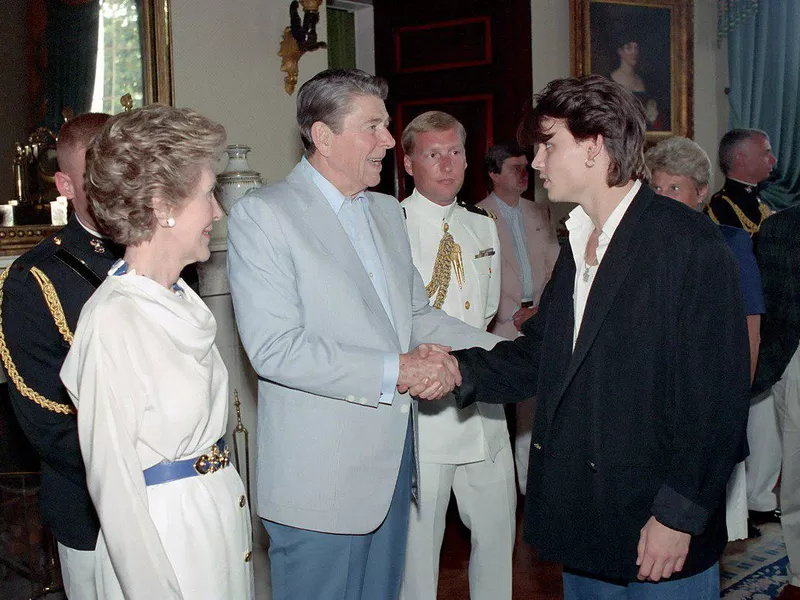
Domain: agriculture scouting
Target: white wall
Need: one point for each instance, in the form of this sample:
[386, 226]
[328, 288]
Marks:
[226, 66]
[550, 28]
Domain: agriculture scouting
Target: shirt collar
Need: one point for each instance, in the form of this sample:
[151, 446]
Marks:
[613, 220]
[745, 183]
[430, 208]
[334, 197]
[506, 210]
[89, 230]
[578, 219]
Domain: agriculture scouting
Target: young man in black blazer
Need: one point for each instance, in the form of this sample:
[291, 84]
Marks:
[638, 357]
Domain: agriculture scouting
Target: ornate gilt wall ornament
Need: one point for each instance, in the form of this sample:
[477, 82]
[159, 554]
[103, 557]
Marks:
[299, 38]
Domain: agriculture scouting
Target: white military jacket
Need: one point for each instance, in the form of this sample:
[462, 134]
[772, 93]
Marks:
[446, 434]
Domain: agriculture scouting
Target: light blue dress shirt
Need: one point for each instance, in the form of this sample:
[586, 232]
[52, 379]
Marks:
[513, 217]
[352, 215]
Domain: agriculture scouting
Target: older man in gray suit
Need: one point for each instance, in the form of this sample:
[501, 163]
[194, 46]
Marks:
[328, 305]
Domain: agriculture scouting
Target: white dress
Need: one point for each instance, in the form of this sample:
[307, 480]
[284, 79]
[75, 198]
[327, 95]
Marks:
[150, 386]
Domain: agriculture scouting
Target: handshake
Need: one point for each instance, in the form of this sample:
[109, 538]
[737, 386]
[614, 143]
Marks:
[429, 372]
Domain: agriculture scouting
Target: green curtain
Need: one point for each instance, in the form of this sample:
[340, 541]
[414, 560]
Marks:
[71, 42]
[764, 71]
[341, 39]
[732, 12]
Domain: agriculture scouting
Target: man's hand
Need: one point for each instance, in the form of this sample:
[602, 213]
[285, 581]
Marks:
[522, 315]
[661, 552]
[428, 372]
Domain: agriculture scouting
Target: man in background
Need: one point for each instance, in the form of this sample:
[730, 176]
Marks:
[746, 159]
[43, 293]
[456, 250]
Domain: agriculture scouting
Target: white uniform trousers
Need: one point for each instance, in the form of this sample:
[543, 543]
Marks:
[487, 502]
[736, 504]
[764, 463]
[77, 573]
[522, 440]
[787, 407]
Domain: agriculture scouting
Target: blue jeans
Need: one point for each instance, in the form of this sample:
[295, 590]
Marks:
[311, 565]
[703, 586]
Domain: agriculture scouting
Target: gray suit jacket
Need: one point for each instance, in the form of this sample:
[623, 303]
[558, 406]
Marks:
[316, 333]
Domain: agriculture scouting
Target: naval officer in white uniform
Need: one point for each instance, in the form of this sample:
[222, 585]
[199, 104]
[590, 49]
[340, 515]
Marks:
[457, 252]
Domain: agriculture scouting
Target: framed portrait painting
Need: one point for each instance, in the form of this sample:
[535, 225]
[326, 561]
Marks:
[645, 46]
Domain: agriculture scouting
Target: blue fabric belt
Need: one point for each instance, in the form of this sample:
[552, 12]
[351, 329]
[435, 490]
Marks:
[164, 472]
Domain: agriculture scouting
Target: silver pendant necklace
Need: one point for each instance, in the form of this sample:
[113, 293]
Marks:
[587, 269]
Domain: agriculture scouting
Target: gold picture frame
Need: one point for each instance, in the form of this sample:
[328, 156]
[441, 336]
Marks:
[158, 87]
[659, 69]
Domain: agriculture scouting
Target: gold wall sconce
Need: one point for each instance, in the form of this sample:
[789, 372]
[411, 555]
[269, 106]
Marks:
[300, 37]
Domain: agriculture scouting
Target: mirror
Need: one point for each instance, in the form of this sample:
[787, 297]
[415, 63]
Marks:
[71, 54]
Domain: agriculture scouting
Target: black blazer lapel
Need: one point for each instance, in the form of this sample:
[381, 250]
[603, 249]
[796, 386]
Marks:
[616, 264]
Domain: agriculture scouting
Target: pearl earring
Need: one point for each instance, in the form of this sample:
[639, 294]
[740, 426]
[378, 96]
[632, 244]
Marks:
[589, 162]
[171, 222]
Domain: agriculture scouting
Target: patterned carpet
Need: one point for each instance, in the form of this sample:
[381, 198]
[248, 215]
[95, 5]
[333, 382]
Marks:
[755, 569]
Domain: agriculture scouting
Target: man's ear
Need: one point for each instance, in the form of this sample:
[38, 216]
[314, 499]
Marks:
[322, 136]
[64, 185]
[596, 147]
[408, 165]
[495, 177]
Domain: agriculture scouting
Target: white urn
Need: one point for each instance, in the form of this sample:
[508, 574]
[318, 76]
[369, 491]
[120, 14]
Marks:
[234, 182]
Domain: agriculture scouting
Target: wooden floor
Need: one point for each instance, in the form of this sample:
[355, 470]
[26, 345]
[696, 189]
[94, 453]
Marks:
[533, 580]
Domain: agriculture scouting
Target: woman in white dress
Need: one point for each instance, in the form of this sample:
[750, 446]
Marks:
[149, 383]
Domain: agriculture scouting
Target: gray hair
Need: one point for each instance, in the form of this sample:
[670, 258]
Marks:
[680, 156]
[433, 120]
[327, 97]
[153, 151]
[729, 144]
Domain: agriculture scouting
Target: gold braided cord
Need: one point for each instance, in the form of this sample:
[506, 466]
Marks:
[448, 255]
[748, 225]
[53, 304]
[13, 373]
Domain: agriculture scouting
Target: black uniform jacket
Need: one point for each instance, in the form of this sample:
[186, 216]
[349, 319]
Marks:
[646, 416]
[778, 253]
[744, 197]
[65, 268]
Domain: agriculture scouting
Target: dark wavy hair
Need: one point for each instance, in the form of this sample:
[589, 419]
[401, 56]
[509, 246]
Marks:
[590, 106]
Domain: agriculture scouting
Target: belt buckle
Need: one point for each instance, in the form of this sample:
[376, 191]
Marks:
[213, 461]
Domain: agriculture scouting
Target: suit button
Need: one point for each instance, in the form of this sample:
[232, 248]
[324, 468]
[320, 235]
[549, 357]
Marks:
[404, 409]
[248, 556]
[466, 304]
[592, 466]
[242, 501]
